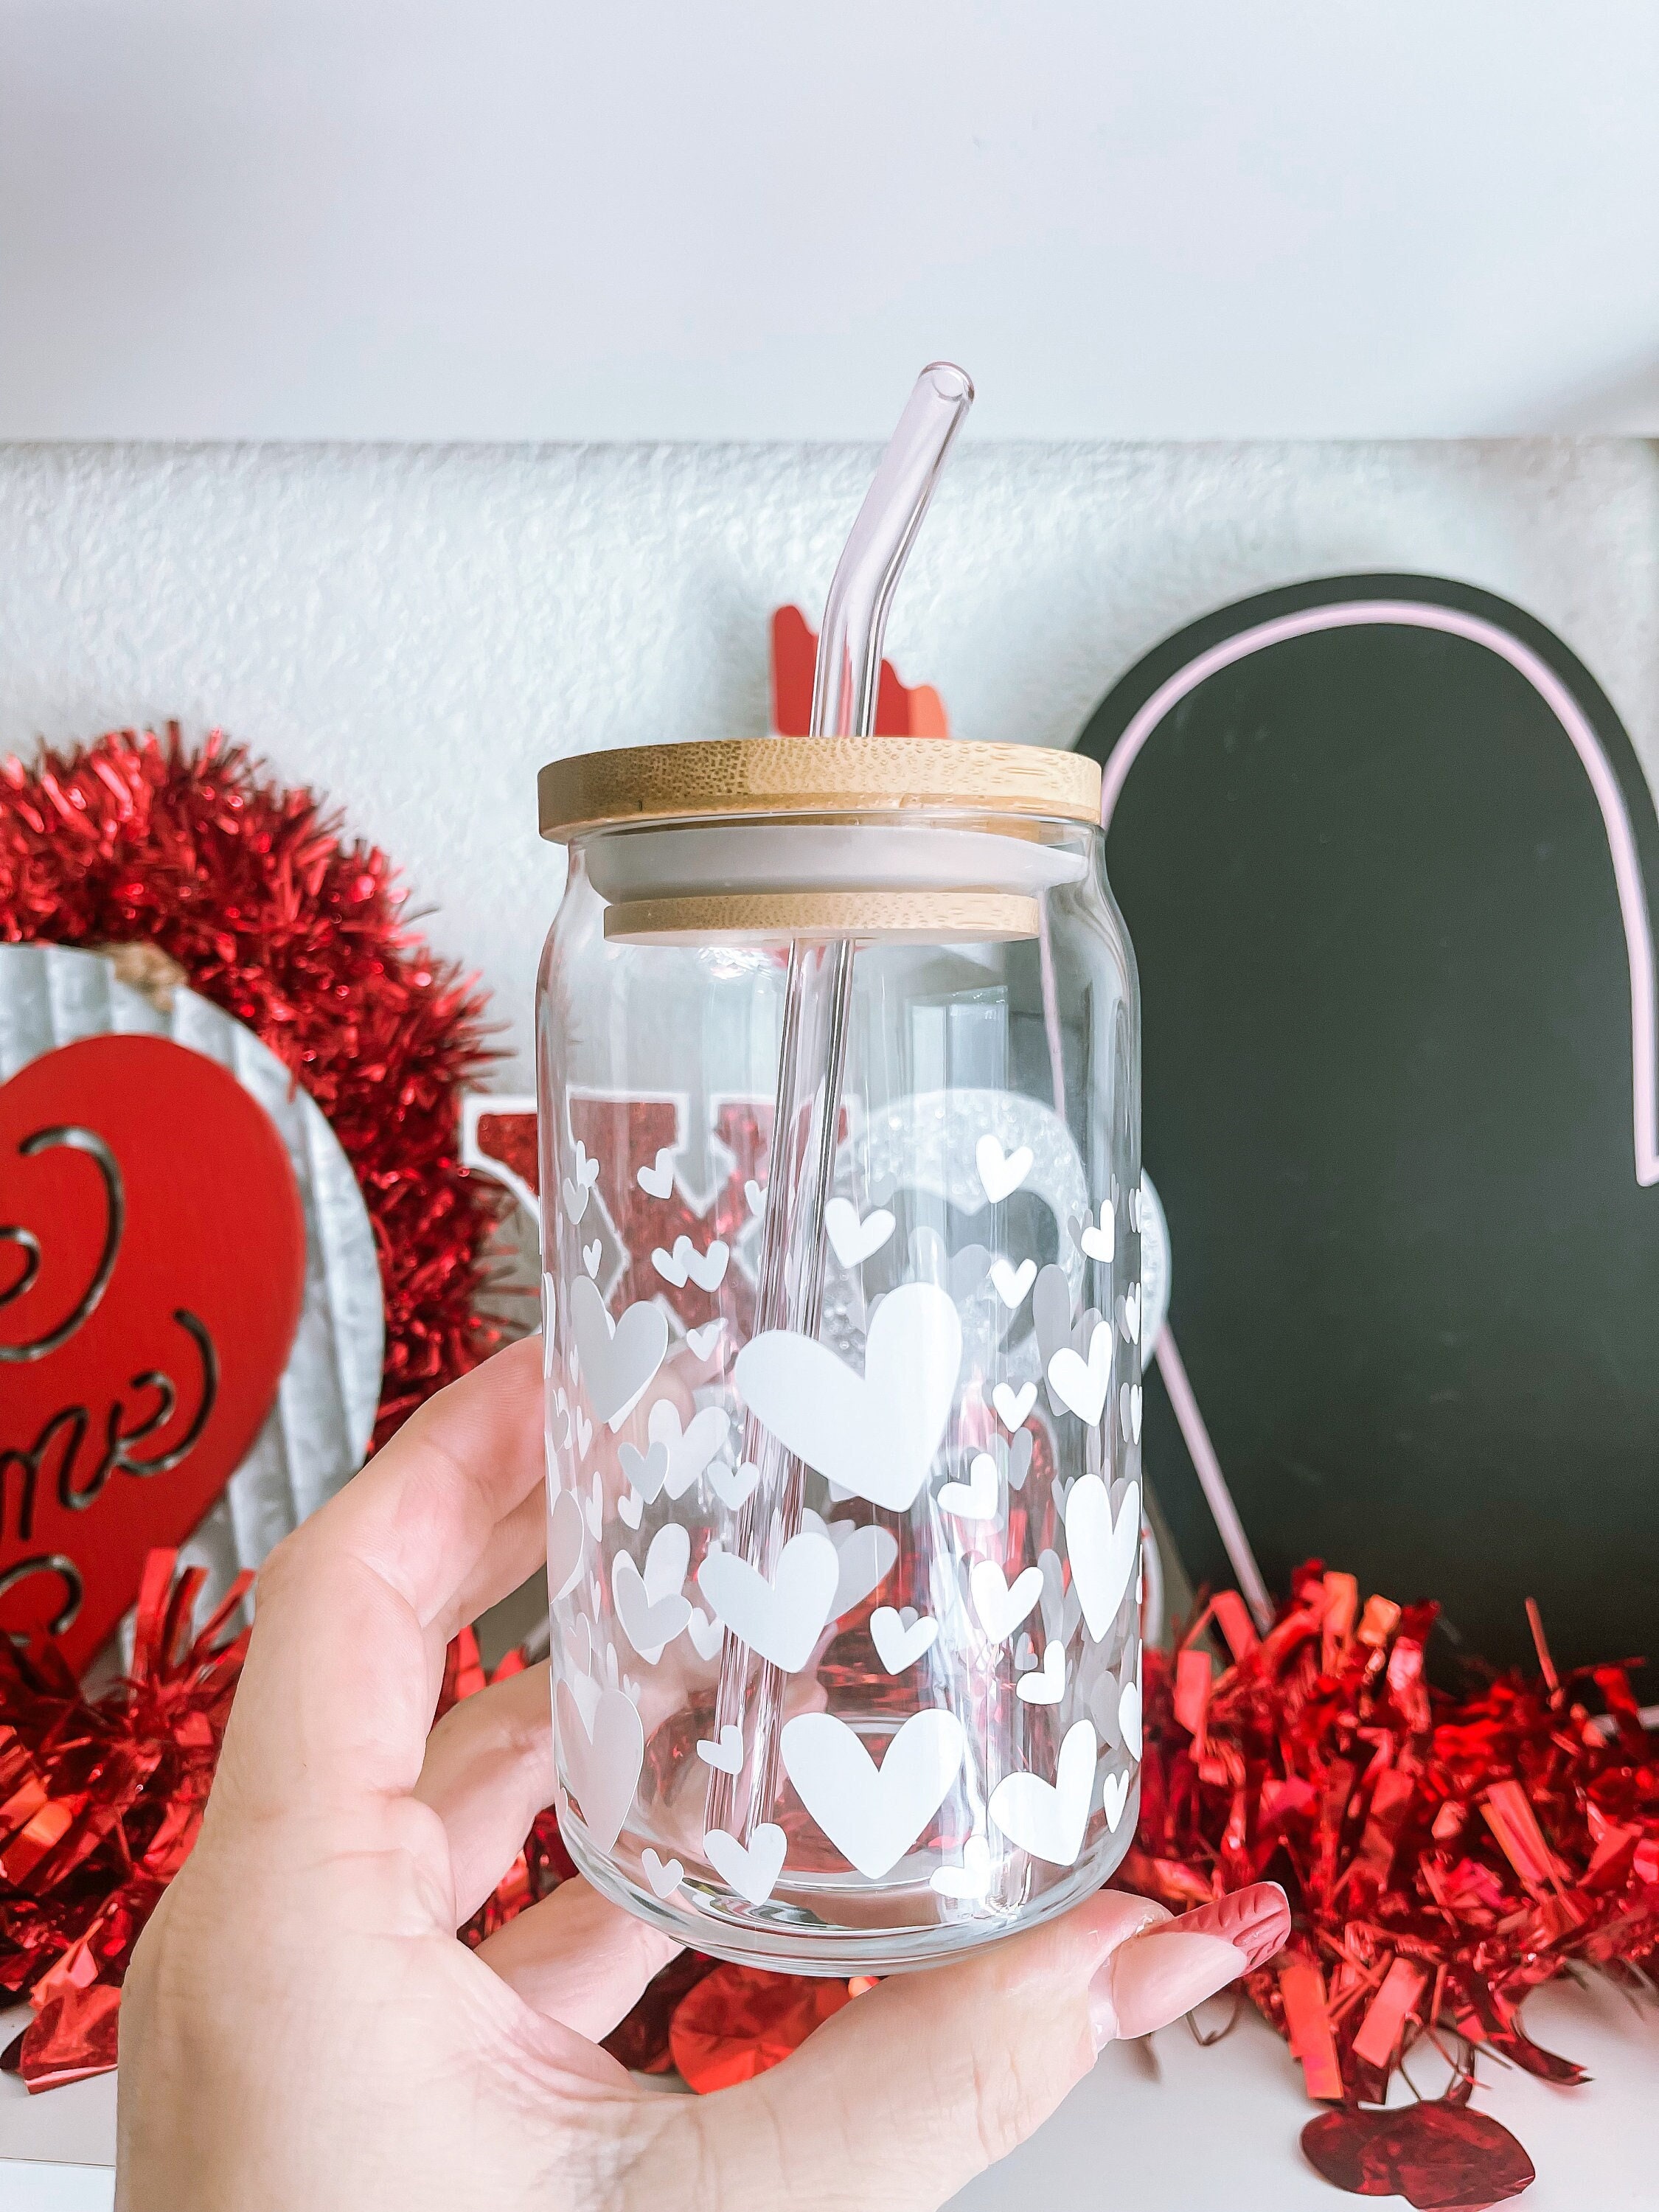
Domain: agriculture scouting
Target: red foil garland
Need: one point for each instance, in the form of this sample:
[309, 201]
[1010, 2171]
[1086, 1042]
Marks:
[272, 915]
[1443, 1855]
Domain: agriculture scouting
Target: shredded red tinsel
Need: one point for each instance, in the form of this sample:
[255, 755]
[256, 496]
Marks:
[1443, 1855]
[273, 916]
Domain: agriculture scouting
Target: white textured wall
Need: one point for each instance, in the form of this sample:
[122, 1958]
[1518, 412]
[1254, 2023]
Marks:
[413, 631]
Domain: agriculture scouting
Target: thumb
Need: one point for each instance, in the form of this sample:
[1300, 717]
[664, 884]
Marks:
[904, 2096]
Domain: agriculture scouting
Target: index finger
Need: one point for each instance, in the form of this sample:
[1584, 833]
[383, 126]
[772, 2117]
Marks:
[353, 1610]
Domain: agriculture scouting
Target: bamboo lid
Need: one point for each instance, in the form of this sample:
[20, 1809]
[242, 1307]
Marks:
[783, 777]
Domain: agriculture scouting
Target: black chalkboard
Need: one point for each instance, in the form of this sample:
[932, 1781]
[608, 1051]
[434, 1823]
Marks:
[1381, 841]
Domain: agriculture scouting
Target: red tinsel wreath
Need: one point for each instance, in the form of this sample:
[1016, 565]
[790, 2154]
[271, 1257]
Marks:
[253, 890]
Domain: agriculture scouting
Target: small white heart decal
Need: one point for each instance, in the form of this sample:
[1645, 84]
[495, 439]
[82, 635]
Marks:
[1019, 1466]
[591, 1257]
[1101, 1242]
[972, 1878]
[899, 1644]
[1012, 1283]
[977, 1498]
[726, 1755]
[733, 1488]
[1131, 1313]
[670, 1265]
[1002, 1173]
[855, 1240]
[754, 1197]
[1045, 1685]
[1129, 1412]
[752, 1873]
[703, 1341]
[584, 1429]
[649, 1605]
[565, 1537]
[1000, 1607]
[1080, 1384]
[658, 1180]
[781, 1619]
[872, 1815]
[647, 1471]
[665, 1876]
[689, 1450]
[866, 1558]
[602, 1761]
[1013, 1405]
[1114, 1796]
[631, 1508]
[1128, 1718]
[1103, 1548]
[707, 1636]
[1048, 1819]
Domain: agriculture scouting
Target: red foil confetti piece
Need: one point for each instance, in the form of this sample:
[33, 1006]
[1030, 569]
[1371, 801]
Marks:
[739, 2021]
[252, 890]
[1439, 2156]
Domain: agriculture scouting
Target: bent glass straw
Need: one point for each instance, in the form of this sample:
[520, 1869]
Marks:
[812, 1052]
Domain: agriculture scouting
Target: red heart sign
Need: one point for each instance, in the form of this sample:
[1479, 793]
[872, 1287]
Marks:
[152, 1272]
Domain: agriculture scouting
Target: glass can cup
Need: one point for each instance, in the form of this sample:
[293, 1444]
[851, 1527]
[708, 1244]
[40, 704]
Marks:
[838, 1060]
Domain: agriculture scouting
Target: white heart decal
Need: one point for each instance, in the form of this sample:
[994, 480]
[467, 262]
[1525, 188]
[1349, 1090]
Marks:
[707, 1636]
[853, 1240]
[664, 1876]
[707, 1269]
[689, 1450]
[1000, 1608]
[1099, 1243]
[876, 1434]
[754, 1197]
[619, 1358]
[726, 1755]
[1081, 1384]
[1131, 1313]
[1002, 1174]
[591, 1257]
[594, 1508]
[565, 1538]
[1062, 1608]
[752, 1873]
[1048, 1819]
[631, 1508]
[1013, 1405]
[899, 1644]
[1018, 1464]
[670, 1265]
[866, 1558]
[1128, 1718]
[1114, 1796]
[1045, 1685]
[649, 1606]
[732, 1489]
[1012, 1283]
[781, 1619]
[602, 1762]
[872, 1815]
[972, 1878]
[1102, 1550]
[647, 1471]
[1129, 1412]
[977, 1498]
[584, 1432]
[703, 1341]
[658, 1180]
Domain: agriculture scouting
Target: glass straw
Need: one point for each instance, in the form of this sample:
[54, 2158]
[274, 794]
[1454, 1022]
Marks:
[813, 1052]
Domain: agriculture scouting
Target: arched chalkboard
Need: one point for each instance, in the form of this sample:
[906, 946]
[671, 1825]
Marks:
[1382, 842]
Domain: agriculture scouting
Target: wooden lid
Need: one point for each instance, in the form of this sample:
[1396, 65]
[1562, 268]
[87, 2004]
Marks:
[779, 777]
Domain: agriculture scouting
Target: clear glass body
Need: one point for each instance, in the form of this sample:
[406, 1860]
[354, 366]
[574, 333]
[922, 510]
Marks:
[844, 1595]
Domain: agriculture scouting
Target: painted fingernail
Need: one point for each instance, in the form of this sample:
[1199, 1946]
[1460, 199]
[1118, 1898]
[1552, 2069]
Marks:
[1155, 1978]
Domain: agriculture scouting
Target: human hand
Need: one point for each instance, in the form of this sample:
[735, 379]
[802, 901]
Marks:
[301, 2031]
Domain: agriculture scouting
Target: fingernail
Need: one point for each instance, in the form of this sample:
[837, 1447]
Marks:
[1155, 1978]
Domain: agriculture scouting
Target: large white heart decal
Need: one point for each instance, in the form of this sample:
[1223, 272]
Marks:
[602, 1764]
[1001, 1606]
[618, 1359]
[872, 1815]
[874, 1435]
[1048, 1819]
[781, 1619]
[1102, 1550]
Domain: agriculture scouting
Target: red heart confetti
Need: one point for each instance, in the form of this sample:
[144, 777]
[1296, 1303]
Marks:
[1439, 2155]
